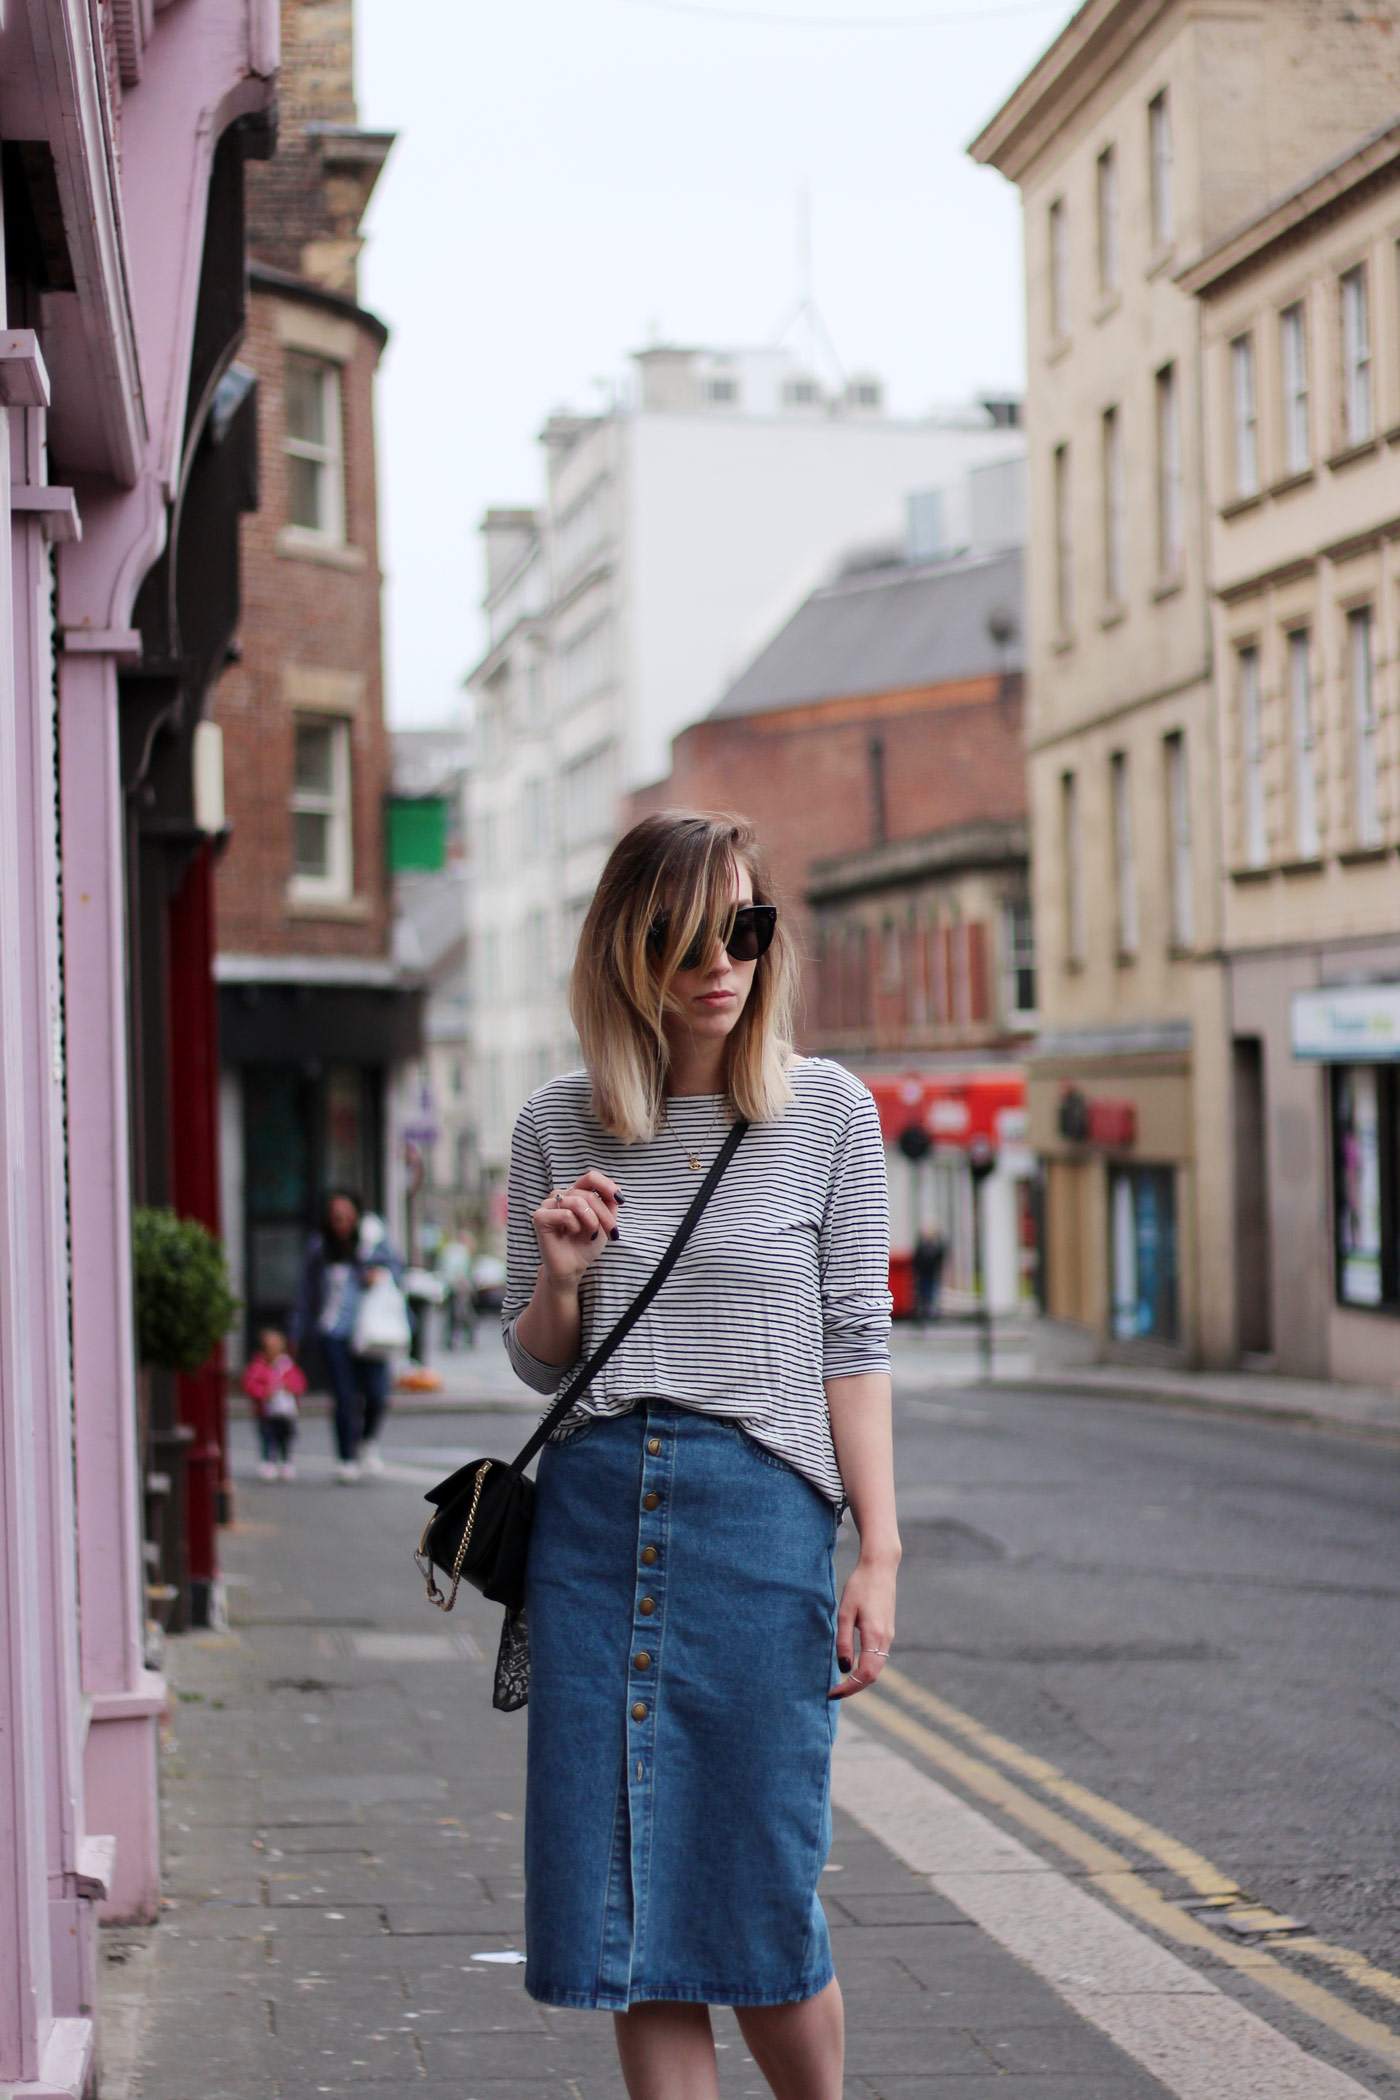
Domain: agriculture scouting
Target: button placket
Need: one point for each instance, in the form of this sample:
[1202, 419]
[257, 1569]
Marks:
[645, 1658]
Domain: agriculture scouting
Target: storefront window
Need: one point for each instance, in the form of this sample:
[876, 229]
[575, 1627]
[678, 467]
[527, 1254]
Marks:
[1143, 1264]
[1366, 1169]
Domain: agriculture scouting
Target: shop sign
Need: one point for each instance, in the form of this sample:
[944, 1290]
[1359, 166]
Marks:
[1083, 1121]
[1348, 1024]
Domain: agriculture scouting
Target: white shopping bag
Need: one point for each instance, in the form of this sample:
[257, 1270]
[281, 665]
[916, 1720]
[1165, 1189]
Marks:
[381, 1320]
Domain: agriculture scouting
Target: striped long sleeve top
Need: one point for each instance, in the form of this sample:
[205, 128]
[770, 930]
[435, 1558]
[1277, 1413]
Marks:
[784, 1284]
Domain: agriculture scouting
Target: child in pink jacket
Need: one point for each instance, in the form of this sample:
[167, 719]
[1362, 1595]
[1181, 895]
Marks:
[273, 1384]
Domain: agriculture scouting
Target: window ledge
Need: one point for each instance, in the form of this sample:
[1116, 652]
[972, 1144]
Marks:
[1392, 436]
[1112, 616]
[1349, 453]
[1125, 959]
[1161, 259]
[1360, 856]
[1238, 505]
[1168, 588]
[305, 546]
[1305, 864]
[1107, 306]
[1073, 966]
[1297, 480]
[342, 908]
[1180, 951]
[1058, 350]
[1062, 644]
[1245, 875]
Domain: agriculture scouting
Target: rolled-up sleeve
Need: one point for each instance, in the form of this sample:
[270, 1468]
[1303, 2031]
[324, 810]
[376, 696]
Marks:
[526, 1190]
[854, 1251]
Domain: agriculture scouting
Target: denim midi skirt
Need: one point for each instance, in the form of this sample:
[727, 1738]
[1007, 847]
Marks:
[681, 1596]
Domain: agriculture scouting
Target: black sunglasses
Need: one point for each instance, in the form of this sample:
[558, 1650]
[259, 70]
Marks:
[750, 935]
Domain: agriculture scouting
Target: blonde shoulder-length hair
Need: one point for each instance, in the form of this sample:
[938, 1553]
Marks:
[682, 863]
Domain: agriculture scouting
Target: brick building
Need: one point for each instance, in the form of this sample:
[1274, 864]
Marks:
[315, 1015]
[875, 745]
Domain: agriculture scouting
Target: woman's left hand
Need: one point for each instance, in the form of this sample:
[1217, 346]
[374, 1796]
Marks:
[867, 1610]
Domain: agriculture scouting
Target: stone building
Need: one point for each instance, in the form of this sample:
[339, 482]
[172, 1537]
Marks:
[315, 1014]
[1301, 323]
[1144, 134]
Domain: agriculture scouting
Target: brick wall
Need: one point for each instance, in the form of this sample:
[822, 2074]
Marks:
[303, 612]
[290, 203]
[806, 780]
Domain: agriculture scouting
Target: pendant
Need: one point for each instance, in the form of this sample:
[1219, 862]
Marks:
[695, 1162]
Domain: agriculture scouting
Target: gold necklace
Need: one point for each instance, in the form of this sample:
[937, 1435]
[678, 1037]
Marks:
[692, 1158]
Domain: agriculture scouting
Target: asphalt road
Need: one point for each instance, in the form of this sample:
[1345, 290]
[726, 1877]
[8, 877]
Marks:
[1195, 1616]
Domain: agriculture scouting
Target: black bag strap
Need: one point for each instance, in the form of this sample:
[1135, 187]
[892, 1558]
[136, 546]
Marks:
[618, 1333]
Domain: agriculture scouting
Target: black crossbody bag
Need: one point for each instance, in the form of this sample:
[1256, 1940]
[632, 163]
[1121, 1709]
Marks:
[479, 1531]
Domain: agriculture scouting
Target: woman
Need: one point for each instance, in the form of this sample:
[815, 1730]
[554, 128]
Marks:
[342, 1260]
[687, 1652]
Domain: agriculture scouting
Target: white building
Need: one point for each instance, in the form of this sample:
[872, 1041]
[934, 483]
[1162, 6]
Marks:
[679, 527]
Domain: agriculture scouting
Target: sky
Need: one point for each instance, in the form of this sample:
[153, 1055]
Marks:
[575, 178]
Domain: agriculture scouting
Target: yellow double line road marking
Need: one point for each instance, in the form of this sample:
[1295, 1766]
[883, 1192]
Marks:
[987, 1774]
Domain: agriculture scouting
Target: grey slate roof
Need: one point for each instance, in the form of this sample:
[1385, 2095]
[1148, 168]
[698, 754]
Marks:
[887, 630]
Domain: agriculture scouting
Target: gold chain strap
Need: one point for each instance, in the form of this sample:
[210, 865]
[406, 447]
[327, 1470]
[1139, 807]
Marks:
[423, 1560]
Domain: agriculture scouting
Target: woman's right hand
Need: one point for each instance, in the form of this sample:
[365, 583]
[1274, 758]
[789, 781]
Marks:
[574, 1225]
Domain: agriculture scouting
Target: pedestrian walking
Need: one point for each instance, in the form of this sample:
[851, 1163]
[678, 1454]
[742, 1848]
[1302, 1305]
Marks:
[274, 1384]
[343, 1263]
[459, 1308]
[930, 1253]
[688, 1652]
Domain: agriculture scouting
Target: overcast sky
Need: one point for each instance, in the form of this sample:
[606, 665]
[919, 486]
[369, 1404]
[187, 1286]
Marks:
[574, 178]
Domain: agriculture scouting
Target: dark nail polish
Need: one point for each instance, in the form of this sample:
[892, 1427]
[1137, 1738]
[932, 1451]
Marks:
[845, 1661]
[594, 1233]
[614, 1234]
[618, 1196]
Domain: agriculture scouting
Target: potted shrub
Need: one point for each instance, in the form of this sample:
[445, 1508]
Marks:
[184, 1306]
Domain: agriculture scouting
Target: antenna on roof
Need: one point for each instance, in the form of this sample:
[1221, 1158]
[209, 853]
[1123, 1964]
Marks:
[816, 347]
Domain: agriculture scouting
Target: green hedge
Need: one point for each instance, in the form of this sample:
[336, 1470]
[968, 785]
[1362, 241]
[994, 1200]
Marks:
[184, 1306]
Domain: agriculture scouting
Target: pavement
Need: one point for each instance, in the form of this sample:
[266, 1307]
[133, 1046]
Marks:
[342, 1816]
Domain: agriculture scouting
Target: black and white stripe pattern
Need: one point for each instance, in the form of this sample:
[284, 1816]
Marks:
[784, 1284]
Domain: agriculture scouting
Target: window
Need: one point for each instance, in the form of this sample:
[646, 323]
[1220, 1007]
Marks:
[1356, 357]
[801, 393]
[1293, 344]
[1305, 837]
[586, 662]
[1072, 869]
[534, 820]
[1124, 862]
[720, 393]
[1064, 550]
[1159, 169]
[1169, 507]
[1179, 897]
[1366, 1184]
[1143, 1258]
[588, 796]
[1107, 200]
[321, 860]
[1246, 419]
[1018, 959]
[1058, 230]
[1363, 714]
[1256, 844]
[315, 474]
[1114, 509]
